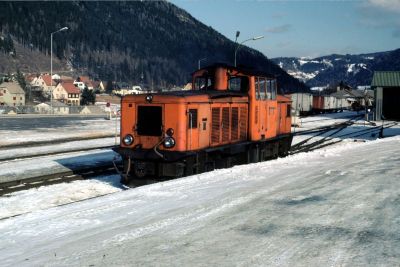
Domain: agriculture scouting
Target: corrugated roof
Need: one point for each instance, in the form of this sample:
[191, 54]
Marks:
[386, 79]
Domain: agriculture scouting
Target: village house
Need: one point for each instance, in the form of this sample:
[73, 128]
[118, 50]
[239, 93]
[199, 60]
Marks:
[67, 93]
[44, 81]
[11, 94]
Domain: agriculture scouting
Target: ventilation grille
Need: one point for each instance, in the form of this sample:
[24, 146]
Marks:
[235, 126]
[215, 125]
[225, 124]
[243, 123]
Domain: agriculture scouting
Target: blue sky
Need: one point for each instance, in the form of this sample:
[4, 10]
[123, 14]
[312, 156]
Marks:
[304, 28]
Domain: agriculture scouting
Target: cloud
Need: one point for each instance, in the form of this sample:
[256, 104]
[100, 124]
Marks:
[279, 29]
[392, 6]
[381, 14]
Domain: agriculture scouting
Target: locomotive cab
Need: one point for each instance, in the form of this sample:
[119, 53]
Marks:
[230, 116]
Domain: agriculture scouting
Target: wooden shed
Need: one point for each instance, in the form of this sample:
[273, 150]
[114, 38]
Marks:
[386, 86]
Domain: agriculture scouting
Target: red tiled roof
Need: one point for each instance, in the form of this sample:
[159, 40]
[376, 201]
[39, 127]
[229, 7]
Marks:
[70, 88]
[84, 79]
[30, 77]
[47, 79]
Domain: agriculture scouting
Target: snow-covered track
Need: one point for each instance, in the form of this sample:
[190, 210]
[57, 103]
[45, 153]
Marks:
[333, 137]
[37, 155]
[54, 141]
[55, 178]
[327, 128]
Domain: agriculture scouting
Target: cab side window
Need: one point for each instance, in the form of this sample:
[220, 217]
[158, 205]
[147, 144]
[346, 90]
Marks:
[271, 89]
[238, 84]
[257, 88]
[203, 83]
[263, 88]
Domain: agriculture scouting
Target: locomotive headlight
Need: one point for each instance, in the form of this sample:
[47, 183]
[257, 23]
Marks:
[170, 132]
[128, 140]
[169, 142]
[149, 98]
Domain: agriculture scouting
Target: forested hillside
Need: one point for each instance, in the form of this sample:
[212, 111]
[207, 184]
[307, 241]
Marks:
[122, 40]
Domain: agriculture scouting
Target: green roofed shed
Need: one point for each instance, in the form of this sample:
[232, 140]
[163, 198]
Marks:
[386, 85]
[386, 79]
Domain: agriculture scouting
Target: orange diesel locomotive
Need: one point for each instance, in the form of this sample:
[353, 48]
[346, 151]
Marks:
[231, 116]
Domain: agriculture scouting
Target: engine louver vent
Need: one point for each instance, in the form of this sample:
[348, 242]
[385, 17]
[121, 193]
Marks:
[243, 123]
[235, 126]
[215, 125]
[225, 124]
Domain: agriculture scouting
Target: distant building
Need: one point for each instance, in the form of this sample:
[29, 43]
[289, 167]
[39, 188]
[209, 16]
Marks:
[188, 86]
[11, 94]
[58, 108]
[128, 91]
[87, 110]
[386, 86]
[80, 85]
[67, 93]
[84, 81]
[102, 86]
[44, 82]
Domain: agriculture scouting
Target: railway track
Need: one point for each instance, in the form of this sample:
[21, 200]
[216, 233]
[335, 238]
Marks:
[330, 139]
[44, 154]
[55, 178]
[326, 128]
[55, 141]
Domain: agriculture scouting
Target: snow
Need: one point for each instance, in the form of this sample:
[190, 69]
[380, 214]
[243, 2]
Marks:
[304, 76]
[327, 62]
[302, 62]
[335, 206]
[82, 128]
[350, 67]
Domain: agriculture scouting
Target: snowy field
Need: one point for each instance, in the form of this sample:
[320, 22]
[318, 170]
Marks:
[15, 130]
[338, 206]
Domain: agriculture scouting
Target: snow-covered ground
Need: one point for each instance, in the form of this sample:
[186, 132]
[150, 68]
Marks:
[17, 130]
[336, 206]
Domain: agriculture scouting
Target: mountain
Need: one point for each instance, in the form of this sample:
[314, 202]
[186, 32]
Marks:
[150, 42]
[355, 70]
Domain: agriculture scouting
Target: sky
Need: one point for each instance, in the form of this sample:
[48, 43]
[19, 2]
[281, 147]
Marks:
[303, 28]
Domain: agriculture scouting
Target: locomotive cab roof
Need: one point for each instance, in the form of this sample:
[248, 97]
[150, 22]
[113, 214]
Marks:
[223, 77]
[240, 70]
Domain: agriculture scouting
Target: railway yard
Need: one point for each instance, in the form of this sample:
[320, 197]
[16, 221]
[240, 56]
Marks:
[333, 201]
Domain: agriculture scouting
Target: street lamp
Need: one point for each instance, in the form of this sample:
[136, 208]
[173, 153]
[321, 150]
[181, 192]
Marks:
[239, 45]
[51, 66]
[200, 60]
